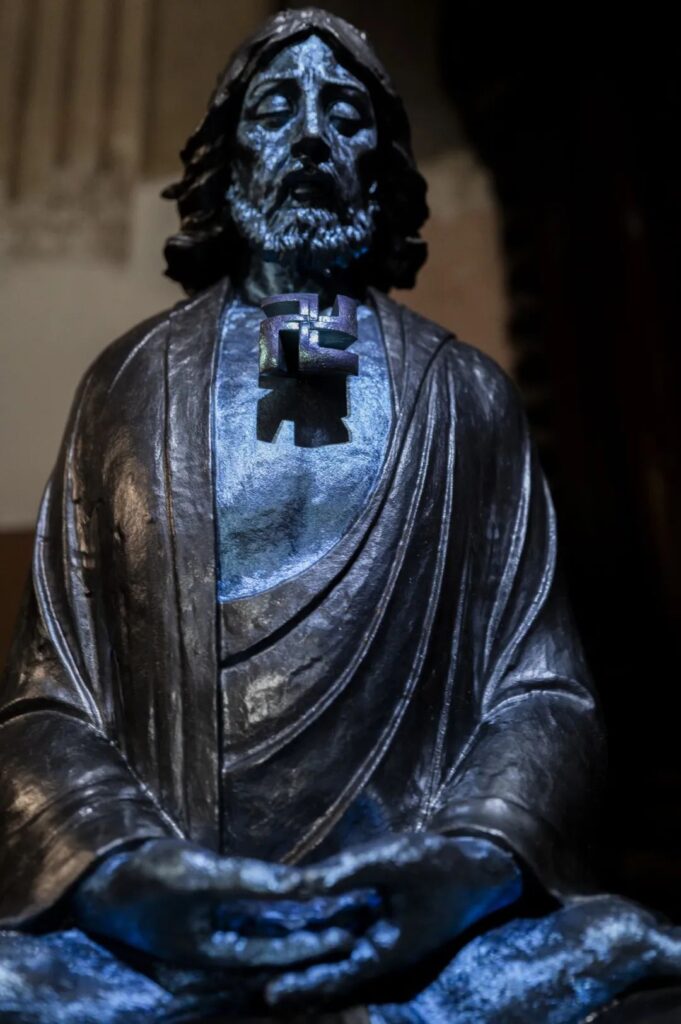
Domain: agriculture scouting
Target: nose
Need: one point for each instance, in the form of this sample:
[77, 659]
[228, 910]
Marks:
[311, 149]
[310, 146]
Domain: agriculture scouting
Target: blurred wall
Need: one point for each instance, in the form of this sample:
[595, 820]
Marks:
[96, 99]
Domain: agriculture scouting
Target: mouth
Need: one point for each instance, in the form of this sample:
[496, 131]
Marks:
[309, 188]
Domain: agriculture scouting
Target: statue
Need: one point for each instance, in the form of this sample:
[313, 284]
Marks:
[296, 719]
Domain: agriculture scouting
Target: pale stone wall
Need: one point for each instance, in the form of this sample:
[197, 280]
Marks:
[56, 316]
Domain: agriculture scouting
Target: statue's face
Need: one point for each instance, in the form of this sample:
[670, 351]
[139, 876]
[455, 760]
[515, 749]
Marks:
[301, 187]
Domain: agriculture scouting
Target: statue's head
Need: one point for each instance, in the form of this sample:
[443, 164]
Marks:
[304, 157]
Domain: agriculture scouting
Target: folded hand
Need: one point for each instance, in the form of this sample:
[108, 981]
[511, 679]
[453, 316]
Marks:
[432, 889]
[190, 907]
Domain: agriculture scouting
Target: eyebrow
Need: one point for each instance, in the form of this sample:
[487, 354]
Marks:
[343, 83]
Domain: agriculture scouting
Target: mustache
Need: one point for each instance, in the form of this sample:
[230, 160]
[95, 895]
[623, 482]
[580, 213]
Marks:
[313, 184]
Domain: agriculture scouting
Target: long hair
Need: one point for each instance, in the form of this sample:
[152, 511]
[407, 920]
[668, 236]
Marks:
[208, 246]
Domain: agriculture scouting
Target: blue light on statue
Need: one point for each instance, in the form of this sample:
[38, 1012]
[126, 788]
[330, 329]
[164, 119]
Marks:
[555, 970]
[282, 505]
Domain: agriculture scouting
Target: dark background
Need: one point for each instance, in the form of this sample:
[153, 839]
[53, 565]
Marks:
[576, 114]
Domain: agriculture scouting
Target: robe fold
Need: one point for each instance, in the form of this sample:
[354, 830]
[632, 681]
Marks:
[424, 674]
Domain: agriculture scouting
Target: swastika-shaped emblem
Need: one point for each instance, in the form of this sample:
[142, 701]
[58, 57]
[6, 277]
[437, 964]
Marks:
[295, 341]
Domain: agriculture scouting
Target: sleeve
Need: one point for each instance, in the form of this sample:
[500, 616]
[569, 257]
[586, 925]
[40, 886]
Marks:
[531, 768]
[67, 794]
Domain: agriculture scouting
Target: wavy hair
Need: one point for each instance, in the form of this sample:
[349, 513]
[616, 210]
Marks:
[208, 246]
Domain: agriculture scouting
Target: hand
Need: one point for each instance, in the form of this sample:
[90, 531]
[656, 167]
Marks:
[557, 968]
[433, 888]
[183, 904]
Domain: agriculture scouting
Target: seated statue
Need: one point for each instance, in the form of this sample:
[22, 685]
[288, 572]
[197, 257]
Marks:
[296, 722]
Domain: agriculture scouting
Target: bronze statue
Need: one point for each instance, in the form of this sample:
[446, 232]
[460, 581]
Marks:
[296, 700]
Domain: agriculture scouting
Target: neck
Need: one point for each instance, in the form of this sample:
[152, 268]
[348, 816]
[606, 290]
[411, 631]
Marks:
[266, 278]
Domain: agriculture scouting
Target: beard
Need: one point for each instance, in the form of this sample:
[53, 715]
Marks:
[309, 238]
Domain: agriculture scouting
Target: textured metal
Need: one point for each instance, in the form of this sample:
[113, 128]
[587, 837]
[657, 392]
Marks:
[560, 968]
[207, 247]
[295, 462]
[300, 799]
[392, 617]
[556, 970]
[297, 341]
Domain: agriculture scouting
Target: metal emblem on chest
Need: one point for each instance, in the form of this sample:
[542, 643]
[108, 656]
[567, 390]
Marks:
[296, 341]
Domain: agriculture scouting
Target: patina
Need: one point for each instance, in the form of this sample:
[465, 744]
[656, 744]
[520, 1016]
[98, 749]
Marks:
[280, 506]
[296, 700]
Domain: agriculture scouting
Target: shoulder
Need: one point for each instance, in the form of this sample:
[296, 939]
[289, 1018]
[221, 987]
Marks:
[139, 346]
[118, 354]
[141, 349]
[481, 382]
[481, 385]
[122, 378]
[97, 383]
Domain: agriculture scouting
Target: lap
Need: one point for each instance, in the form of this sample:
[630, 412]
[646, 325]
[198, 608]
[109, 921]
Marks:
[560, 968]
[563, 967]
[65, 977]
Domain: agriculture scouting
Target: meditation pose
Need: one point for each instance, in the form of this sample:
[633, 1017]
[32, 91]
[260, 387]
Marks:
[296, 720]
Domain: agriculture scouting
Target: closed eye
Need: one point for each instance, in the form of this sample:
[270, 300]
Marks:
[343, 111]
[272, 109]
[348, 113]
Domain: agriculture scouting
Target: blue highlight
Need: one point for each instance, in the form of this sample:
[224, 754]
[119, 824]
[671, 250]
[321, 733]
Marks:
[554, 970]
[281, 506]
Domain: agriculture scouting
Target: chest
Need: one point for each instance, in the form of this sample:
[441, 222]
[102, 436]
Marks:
[294, 463]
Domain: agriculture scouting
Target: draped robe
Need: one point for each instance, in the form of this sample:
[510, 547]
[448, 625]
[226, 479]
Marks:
[424, 674]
